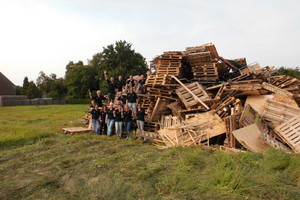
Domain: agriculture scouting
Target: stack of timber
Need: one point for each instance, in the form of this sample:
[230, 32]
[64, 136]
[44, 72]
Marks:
[196, 97]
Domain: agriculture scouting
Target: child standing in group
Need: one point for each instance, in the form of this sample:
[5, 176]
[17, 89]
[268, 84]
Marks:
[102, 119]
[95, 112]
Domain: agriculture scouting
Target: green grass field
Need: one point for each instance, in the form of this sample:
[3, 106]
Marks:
[38, 162]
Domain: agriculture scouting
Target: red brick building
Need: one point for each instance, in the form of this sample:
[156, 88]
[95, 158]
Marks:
[6, 86]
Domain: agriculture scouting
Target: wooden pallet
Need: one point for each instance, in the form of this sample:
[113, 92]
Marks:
[168, 71]
[223, 106]
[159, 109]
[196, 59]
[290, 133]
[157, 80]
[151, 126]
[204, 48]
[245, 82]
[232, 124]
[194, 131]
[284, 81]
[176, 108]
[276, 89]
[250, 116]
[187, 98]
[212, 49]
[241, 61]
[278, 112]
[274, 142]
[244, 87]
[76, 130]
[163, 93]
[168, 120]
[205, 73]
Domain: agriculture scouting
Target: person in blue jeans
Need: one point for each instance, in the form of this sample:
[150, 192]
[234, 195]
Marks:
[127, 113]
[95, 112]
[110, 119]
[118, 114]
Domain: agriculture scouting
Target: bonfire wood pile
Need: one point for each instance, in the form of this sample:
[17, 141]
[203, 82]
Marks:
[196, 97]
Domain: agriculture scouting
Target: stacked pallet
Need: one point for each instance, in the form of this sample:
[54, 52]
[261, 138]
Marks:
[197, 97]
[169, 63]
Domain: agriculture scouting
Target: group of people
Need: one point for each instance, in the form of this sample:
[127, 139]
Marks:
[119, 111]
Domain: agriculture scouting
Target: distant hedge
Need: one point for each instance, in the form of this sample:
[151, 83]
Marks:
[78, 101]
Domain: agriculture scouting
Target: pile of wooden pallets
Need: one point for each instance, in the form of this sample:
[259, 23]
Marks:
[196, 97]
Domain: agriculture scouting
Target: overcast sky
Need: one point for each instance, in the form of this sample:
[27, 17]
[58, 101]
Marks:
[44, 35]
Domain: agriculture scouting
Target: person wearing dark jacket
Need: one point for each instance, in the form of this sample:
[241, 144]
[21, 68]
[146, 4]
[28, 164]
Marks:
[118, 114]
[127, 113]
[102, 119]
[95, 112]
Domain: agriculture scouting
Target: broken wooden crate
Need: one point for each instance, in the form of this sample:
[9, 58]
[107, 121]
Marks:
[187, 97]
[278, 113]
[193, 131]
[290, 133]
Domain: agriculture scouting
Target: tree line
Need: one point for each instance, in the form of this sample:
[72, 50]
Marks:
[118, 59]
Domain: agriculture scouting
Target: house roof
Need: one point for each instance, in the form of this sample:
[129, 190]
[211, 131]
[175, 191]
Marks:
[4, 78]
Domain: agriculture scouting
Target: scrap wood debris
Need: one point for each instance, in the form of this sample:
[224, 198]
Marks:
[196, 97]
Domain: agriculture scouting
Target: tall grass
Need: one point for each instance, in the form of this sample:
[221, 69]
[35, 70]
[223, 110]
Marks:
[25, 124]
[38, 163]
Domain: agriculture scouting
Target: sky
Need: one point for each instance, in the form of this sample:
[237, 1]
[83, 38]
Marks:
[44, 35]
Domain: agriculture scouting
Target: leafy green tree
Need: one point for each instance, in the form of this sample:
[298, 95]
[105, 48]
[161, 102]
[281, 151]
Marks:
[118, 59]
[57, 89]
[51, 86]
[18, 90]
[80, 79]
[25, 86]
[33, 91]
[294, 72]
[70, 65]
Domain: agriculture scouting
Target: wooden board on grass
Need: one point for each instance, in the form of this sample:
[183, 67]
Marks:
[73, 130]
